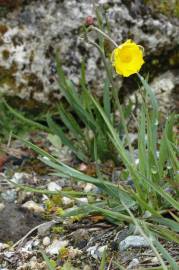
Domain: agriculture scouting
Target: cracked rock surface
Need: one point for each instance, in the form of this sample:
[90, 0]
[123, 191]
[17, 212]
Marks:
[31, 33]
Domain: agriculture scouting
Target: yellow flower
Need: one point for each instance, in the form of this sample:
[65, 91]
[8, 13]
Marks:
[127, 58]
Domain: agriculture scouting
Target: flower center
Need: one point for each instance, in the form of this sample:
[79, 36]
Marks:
[126, 57]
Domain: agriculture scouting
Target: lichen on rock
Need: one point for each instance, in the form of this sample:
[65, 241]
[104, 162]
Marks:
[30, 36]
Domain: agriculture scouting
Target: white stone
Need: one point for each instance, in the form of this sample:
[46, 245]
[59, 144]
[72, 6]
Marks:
[133, 241]
[56, 245]
[3, 246]
[42, 230]
[18, 177]
[92, 251]
[100, 250]
[34, 207]
[52, 186]
[133, 264]
[67, 201]
[46, 241]
[89, 187]
[82, 200]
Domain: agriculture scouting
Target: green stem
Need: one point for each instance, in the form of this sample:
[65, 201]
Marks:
[115, 96]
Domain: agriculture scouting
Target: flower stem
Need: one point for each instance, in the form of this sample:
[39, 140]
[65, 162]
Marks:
[104, 34]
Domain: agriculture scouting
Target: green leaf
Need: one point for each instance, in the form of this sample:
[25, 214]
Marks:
[70, 122]
[103, 260]
[106, 99]
[58, 131]
[25, 119]
[166, 255]
[48, 262]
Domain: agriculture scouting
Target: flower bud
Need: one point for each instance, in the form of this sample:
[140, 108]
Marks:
[89, 20]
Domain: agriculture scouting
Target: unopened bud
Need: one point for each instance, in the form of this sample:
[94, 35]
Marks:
[89, 20]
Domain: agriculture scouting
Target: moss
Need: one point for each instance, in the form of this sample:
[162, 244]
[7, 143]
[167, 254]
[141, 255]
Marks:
[7, 76]
[58, 229]
[168, 8]
[3, 29]
[63, 253]
[174, 59]
[5, 54]
[34, 82]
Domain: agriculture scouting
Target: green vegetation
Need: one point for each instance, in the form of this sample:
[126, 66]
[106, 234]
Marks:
[169, 8]
[151, 202]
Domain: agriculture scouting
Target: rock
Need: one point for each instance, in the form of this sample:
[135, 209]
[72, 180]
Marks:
[9, 195]
[100, 251]
[96, 252]
[90, 187]
[30, 36]
[18, 178]
[67, 201]
[15, 223]
[87, 267]
[33, 264]
[92, 251]
[52, 186]
[33, 207]
[45, 227]
[2, 206]
[133, 241]
[3, 246]
[56, 245]
[73, 252]
[28, 245]
[165, 86]
[133, 264]
[46, 241]
[81, 201]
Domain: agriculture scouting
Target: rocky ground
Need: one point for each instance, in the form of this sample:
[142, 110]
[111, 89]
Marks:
[30, 34]
[31, 222]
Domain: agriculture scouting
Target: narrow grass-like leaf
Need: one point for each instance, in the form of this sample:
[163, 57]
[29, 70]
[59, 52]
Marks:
[166, 196]
[166, 255]
[148, 238]
[103, 260]
[58, 131]
[49, 264]
[25, 119]
[70, 122]
[107, 100]
[69, 193]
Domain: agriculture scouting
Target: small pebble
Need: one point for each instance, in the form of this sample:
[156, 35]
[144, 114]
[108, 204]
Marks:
[133, 241]
[18, 177]
[52, 186]
[3, 246]
[42, 230]
[67, 201]
[87, 267]
[81, 201]
[9, 195]
[46, 241]
[133, 264]
[89, 187]
[56, 245]
[34, 207]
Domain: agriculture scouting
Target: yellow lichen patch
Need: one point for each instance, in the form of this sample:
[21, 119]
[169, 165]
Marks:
[168, 8]
[7, 76]
[3, 29]
[5, 54]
